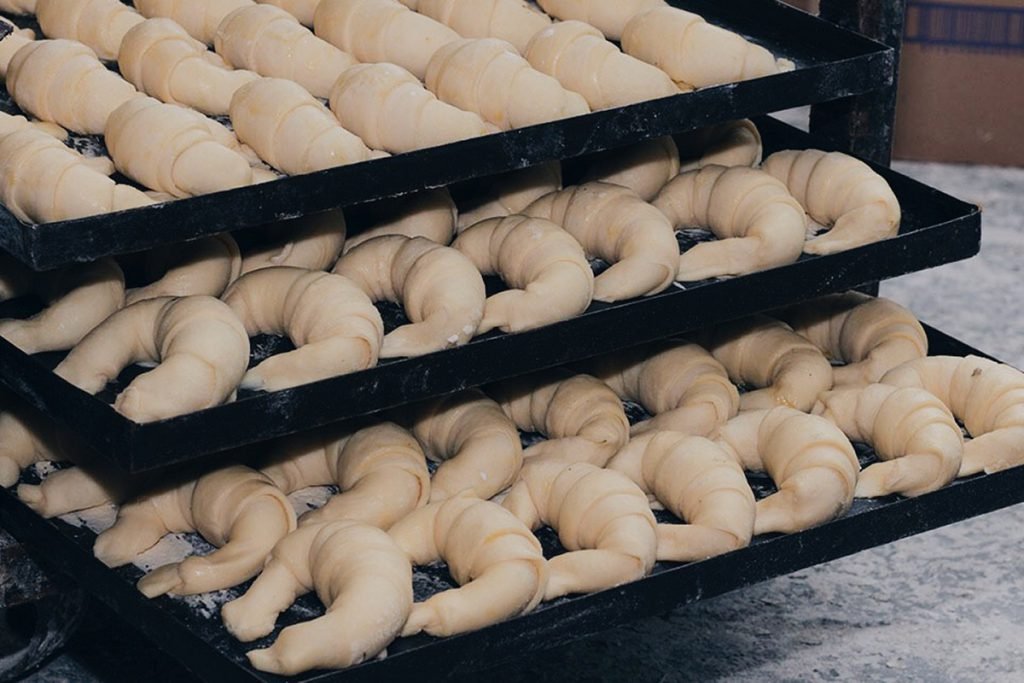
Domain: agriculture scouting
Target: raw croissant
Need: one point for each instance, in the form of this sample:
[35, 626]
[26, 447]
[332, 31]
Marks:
[758, 224]
[76, 488]
[235, 508]
[380, 470]
[614, 224]
[313, 242]
[699, 483]
[476, 444]
[838, 191]
[26, 437]
[811, 462]
[391, 110]
[495, 559]
[488, 76]
[441, 291]
[871, 335]
[199, 17]
[100, 24]
[911, 431]
[429, 214]
[546, 270]
[735, 143]
[14, 41]
[200, 346]
[644, 168]
[583, 61]
[602, 519]
[333, 325]
[206, 266]
[514, 21]
[290, 129]
[12, 123]
[681, 384]
[361, 576]
[988, 397]
[766, 353]
[581, 417]
[610, 17]
[507, 193]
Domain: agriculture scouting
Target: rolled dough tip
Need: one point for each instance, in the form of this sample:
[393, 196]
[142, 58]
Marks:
[9, 473]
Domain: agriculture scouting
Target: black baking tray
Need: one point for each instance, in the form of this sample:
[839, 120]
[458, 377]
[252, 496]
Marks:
[197, 638]
[936, 229]
[830, 63]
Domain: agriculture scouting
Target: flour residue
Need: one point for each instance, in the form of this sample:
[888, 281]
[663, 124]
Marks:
[97, 519]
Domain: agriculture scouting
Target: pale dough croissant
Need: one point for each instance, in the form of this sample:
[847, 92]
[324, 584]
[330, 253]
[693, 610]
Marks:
[911, 431]
[200, 346]
[313, 242]
[581, 417]
[76, 488]
[514, 21]
[358, 572]
[547, 273]
[644, 168]
[609, 16]
[429, 214]
[811, 462]
[680, 384]
[476, 444]
[199, 17]
[507, 193]
[602, 518]
[699, 483]
[870, 335]
[839, 192]
[988, 397]
[758, 224]
[785, 368]
[206, 266]
[614, 224]
[493, 557]
[14, 41]
[12, 123]
[235, 508]
[333, 325]
[441, 291]
[100, 24]
[26, 437]
[734, 143]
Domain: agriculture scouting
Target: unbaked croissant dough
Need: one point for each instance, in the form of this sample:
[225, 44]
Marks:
[441, 291]
[734, 143]
[766, 353]
[681, 384]
[100, 24]
[11, 123]
[76, 488]
[581, 417]
[811, 462]
[333, 325]
[199, 17]
[911, 431]
[205, 266]
[493, 557]
[26, 437]
[476, 444]
[988, 397]
[870, 335]
[758, 224]
[547, 273]
[430, 214]
[699, 483]
[200, 346]
[838, 191]
[602, 519]
[514, 21]
[609, 16]
[358, 572]
[507, 193]
[235, 508]
[644, 167]
[313, 242]
[11, 43]
[614, 224]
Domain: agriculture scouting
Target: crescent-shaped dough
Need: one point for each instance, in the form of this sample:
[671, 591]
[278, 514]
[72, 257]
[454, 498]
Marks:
[429, 214]
[199, 17]
[734, 143]
[506, 194]
[439, 288]
[313, 242]
[76, 488]
[206, 266]
[609, 16]
[545, 268]
[11, 123]
[100, 24]
[514, 21]
[201, 348]
[700, 484]
[644, 167]
[26, 437]
[494, 558]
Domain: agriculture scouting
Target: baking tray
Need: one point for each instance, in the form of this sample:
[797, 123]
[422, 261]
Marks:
[831, 63]
[936, 229]
[190, 629]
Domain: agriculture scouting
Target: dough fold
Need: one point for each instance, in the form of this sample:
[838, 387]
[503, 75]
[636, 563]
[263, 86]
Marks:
[205, 266]
[514, 21]
[100, 24]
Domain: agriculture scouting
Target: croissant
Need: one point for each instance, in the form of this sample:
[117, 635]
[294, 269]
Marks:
[361, 576]
[100, 24]
[644, 168]
[380, 470]
[758, 224]
[696, 481]
[200, 346]
[912, 432]
[476, 444]
[871, 335]
[334, 326]
[988, 397]
[391, 110]
[206, 266]
[429, 214]
[766, 353]
[199, 17]
[681, 384]
[74, 488]
[302, 10]
[62, 81]
[581, 417]
[507, 193]
[13, 41]
[313, 242]
[734, 143]
[547, 272]
[602, 519]
[495, 559]
[25, 438]
[614, 224]
[513, 21]
[488, 76]
[609, 17]
[811, 462]
[441, 291]
[838, 191]
[235, 508]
